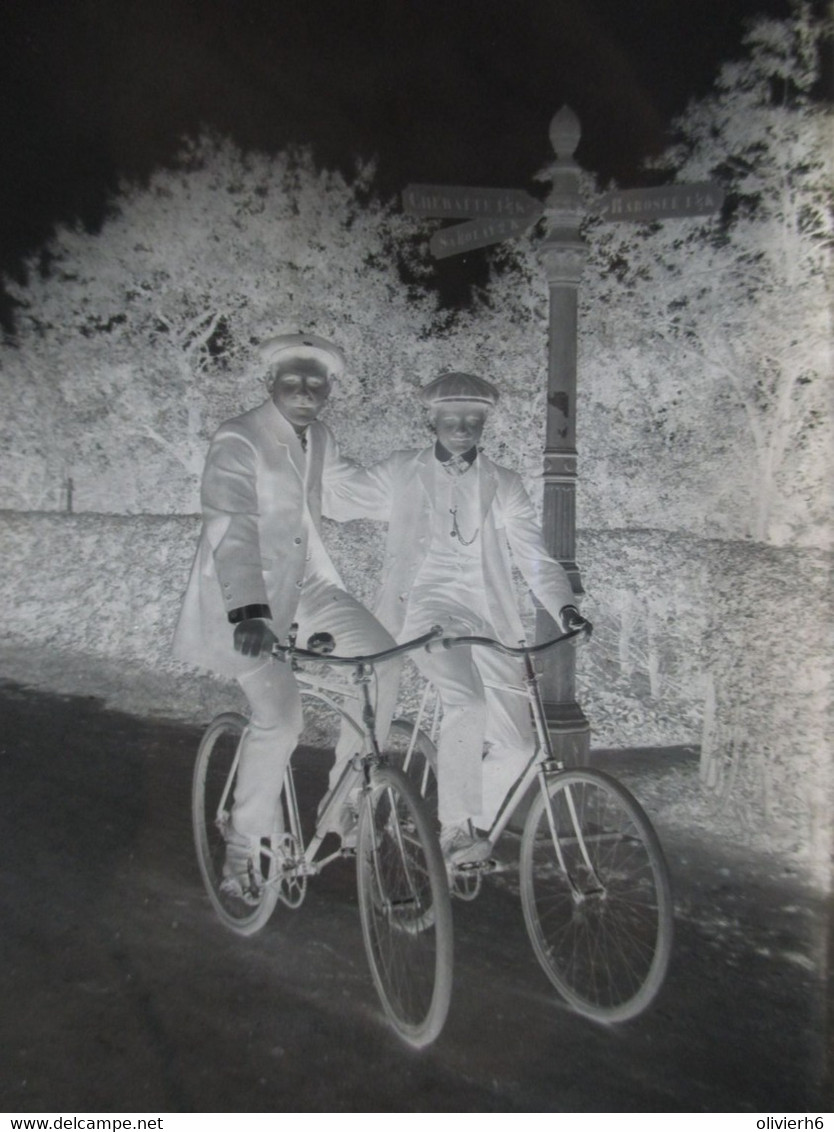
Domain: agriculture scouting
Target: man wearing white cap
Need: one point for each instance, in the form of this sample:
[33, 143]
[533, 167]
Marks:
[260, 566]
[453, 517]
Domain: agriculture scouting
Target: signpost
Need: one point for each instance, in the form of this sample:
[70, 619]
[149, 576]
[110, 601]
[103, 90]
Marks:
[563, 255]
[492, 215]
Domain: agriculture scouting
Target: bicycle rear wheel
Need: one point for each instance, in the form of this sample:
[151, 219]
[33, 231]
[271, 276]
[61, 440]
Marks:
[596, 896]
[404, 907]
[213, 792]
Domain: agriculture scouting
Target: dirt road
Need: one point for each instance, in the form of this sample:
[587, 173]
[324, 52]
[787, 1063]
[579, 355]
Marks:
[121, 992]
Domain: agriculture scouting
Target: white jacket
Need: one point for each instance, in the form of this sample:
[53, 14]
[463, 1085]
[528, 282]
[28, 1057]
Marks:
[258, 531]
[399, 490]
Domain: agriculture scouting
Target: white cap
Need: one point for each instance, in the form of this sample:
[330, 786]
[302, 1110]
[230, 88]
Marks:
[285, 349]
[459, 387]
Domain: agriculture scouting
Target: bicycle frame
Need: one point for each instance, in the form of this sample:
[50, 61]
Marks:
[352, 776]
[403, 896]
[543, 762]
[362, 719]
[593, 881]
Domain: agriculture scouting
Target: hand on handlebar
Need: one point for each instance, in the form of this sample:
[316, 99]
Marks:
[253, 637]
[321, 643]
[573, 621]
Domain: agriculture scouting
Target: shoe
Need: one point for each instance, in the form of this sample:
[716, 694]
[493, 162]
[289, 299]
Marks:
[242, 876]
[462, 846]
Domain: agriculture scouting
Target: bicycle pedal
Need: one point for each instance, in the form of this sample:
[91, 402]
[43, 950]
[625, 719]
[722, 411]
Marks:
[490, 865]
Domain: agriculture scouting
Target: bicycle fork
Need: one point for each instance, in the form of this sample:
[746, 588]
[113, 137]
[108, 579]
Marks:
[412, 897]
[579, 892]
[592, 887]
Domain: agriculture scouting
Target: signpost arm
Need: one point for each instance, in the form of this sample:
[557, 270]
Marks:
[563, 256]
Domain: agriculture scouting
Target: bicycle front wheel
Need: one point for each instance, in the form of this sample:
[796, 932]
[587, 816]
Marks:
[212, 798]
[596, 896]
[404, 907]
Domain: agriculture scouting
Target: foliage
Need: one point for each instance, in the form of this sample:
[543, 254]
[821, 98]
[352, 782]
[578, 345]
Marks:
[717, 332]
[133, 344]
[705, 342]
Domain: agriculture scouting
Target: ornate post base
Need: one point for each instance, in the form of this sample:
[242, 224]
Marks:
[570, 733]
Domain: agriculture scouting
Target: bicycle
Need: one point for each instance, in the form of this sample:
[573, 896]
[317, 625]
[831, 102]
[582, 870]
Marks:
[595, 888]
[404, 901]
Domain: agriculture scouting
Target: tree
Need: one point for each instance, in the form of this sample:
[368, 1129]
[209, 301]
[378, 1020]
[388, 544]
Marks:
[134, 343]
[717, 333]
[705, 344]
[713, 363]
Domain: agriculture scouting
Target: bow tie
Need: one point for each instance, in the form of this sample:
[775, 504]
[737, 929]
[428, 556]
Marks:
[457, 466]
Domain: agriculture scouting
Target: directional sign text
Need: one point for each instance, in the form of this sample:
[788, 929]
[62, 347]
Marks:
[476, 234]
[699, 199]
[461, 203]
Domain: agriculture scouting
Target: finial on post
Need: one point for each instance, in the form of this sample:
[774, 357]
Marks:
[563, 250]
[565, 132]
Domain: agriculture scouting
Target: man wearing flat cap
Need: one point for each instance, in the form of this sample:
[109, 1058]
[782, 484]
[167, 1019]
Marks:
[260, 566]
[453, 517]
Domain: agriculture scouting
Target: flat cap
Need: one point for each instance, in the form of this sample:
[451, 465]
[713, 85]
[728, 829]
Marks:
[287, 349]
[459, 387]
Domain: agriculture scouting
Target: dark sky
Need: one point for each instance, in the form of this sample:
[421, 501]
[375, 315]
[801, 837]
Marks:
[443, 91]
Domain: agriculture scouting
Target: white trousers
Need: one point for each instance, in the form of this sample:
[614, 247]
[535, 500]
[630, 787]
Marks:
[484, 703]
[276, 718]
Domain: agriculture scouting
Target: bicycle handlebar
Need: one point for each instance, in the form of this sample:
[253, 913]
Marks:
[509, 650]
[433, 640]
[371, 658]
